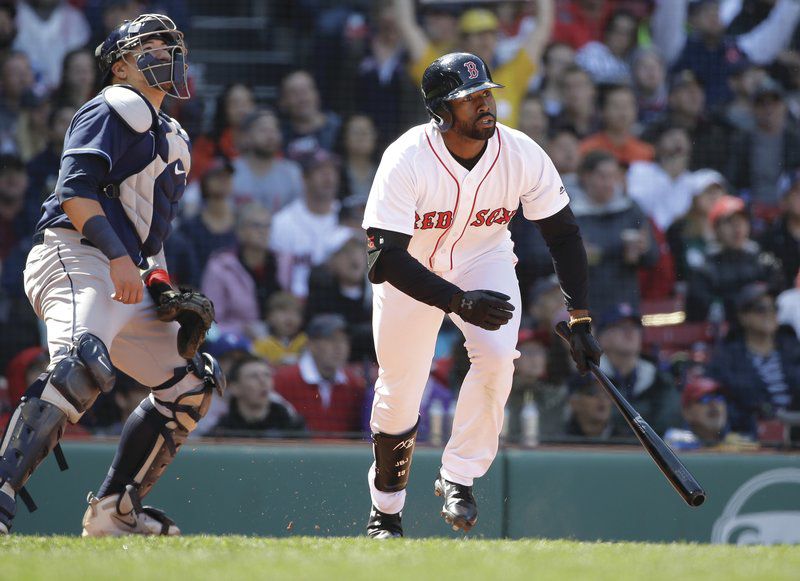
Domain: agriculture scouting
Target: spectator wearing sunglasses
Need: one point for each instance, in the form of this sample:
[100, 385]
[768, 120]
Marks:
[705, 414]
[759, 366]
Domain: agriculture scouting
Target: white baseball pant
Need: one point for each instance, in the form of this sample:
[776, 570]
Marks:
[405, 333]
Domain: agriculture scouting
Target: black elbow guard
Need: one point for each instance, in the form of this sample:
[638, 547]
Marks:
[379, 240]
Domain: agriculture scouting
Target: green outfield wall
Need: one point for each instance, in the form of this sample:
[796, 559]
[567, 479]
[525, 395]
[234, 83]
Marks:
[588, 494]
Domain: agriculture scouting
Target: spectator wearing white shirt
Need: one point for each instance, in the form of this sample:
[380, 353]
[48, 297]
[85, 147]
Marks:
[48, 30]
[663, 188]
[307, 231]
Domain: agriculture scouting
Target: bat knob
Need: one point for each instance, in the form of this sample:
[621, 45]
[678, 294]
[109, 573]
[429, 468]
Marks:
[697, 497]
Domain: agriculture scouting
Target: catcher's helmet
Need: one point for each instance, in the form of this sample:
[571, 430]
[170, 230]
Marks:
[169, 76]
[449, 77]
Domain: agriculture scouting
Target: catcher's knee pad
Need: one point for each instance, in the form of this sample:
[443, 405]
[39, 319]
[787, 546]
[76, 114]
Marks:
[33, 431]
[186, 397]
[82, 375]
[393, 459]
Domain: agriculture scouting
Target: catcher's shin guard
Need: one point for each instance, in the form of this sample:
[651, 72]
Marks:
[393, 459]
[38, 423]
[33, 431]
[158, 428]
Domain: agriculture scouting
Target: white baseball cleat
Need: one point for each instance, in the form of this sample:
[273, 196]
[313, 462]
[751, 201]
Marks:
[123, 514]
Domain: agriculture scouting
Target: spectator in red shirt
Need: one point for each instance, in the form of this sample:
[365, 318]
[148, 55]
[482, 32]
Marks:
[581, 21]
[319, 386]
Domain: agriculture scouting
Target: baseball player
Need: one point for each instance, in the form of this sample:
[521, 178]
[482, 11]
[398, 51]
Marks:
[101, 234]
[437, 230]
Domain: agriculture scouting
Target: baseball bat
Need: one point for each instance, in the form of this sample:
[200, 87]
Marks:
[678, 475]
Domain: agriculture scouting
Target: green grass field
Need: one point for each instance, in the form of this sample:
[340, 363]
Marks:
[351, 559]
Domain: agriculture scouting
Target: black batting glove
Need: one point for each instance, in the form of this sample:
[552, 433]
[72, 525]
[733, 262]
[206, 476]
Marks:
[583, 347]
[487, 309]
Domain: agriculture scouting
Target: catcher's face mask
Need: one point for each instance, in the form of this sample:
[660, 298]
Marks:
[163, 66]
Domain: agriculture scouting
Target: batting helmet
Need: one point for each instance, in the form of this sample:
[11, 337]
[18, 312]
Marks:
[131, 35]
[450, 77]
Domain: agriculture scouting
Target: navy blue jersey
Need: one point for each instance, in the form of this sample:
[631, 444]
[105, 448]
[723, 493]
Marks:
[146, 161]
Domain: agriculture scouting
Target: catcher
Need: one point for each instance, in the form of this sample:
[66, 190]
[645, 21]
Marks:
[100, 237]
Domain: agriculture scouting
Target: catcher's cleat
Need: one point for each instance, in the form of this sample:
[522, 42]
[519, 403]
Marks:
[123, 514]
[384, 526]
[459, 509]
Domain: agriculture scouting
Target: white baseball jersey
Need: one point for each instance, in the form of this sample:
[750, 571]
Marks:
[458, 223]
[454, 215]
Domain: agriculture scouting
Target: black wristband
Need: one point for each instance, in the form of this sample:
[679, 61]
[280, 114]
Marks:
[99, 232]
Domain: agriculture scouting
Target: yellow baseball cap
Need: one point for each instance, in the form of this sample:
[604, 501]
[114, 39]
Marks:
[477, 20]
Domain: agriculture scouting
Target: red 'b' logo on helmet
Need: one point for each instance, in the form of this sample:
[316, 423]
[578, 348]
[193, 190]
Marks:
[472, 69]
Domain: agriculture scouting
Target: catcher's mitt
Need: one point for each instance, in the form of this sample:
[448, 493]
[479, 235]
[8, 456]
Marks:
[193, 311]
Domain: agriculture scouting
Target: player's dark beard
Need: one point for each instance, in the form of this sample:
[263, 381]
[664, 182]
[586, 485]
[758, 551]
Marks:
[472, 130]
[263, 152]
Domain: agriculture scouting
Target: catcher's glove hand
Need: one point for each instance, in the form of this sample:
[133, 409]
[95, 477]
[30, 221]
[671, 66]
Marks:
[193, 310]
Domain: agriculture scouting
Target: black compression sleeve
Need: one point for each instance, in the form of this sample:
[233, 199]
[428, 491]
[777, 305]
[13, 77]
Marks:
[406, 274]
[563, 237]
[390, 262]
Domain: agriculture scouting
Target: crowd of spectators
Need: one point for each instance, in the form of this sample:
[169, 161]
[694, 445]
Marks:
[675, 125]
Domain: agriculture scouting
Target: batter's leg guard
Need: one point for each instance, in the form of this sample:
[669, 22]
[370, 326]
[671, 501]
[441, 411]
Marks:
[157, 429]
[392, 469]
[39, 421]
[393, 456]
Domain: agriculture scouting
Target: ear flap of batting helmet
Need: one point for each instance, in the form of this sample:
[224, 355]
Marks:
[441, 114]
